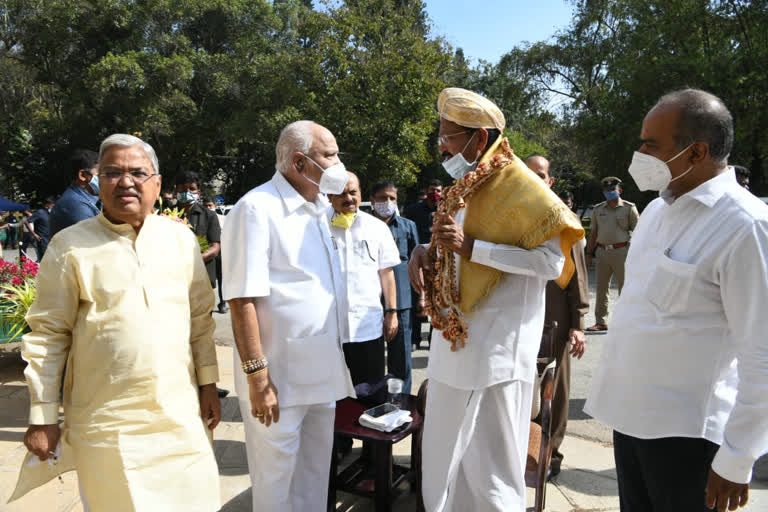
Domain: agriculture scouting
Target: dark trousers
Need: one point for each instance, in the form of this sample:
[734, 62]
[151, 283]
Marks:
[40, 248]
[399, 350]
[561, 400]
[416, 320]
[662, 475]
[365, 360]
[219, 277]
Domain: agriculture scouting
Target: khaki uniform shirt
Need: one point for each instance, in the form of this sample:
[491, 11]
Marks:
[613, 225]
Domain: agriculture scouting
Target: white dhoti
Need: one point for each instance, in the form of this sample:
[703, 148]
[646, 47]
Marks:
[474, 447]
[289, 461]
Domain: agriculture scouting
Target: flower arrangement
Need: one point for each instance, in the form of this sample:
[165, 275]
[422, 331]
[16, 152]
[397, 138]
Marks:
[17, 293]
[177, 215]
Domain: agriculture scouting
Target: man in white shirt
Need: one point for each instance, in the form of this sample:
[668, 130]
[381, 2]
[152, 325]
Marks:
[479, 401]
[282, 278]
[684, 385]
[368, 253]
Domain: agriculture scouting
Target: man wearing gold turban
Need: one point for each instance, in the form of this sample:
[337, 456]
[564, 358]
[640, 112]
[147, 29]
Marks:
[499, 235]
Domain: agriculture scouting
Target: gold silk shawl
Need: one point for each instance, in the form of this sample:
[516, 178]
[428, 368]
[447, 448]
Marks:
[506, 204]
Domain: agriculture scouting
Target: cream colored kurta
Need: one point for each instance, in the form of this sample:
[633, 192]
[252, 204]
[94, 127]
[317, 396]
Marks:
[131, 317]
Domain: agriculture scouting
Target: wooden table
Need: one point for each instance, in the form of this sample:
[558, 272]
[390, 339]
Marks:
[380, 471]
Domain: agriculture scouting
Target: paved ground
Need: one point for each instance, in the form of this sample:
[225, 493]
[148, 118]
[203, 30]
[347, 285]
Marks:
[588, 481]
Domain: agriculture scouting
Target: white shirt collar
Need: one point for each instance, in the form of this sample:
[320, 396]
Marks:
[708, 193]
[293, 200]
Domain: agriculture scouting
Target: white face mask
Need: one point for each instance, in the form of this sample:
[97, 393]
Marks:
[188, 197]
[457, 166]
[651, 173]
[334, 179]
[385, 209]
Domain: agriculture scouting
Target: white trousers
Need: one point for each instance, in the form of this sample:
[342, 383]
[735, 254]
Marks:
[290, 460]
[475, 446]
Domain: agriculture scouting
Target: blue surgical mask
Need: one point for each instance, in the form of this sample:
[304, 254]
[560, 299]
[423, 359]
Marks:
[94, 184]
[611, 194]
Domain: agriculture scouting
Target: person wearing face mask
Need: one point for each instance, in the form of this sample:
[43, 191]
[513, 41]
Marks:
[405, 234]
[80, 200]
[499, 235]
[422, 213]
[39, 226]
[286, 293]
[202, 220]
[682, 379]
[367, 254]
[611, 226]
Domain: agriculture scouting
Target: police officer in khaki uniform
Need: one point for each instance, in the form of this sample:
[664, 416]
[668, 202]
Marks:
[612, 222]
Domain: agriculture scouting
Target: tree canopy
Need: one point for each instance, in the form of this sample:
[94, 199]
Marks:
[210, 84]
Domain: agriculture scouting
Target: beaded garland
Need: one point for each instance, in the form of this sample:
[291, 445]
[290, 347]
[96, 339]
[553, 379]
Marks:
[442, 291]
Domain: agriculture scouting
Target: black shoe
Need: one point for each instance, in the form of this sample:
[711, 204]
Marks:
[222, 392]
[223, 308]
[552, 473]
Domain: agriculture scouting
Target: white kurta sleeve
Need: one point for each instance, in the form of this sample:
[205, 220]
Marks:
[51, 319]
[744, 291]
[545, 261]
[245, 252]
[202, 326]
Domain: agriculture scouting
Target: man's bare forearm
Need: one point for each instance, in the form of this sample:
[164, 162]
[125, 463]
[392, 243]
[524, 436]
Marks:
[212, 252]
[245, 327]
[388, 288]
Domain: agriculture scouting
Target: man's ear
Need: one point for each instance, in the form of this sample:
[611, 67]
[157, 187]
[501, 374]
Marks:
[298, 161]
[699, 152]
[482, 139]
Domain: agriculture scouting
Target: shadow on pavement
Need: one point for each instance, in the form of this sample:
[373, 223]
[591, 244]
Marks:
[419, 362]
[240, 503]
[593, 483]
[230, 410]
[12, 437]
[576, 409]
[230, 456]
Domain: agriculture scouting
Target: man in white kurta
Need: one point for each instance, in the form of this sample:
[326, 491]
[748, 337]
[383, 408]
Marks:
[124, 300]
[479, 399]
[283, 281]
[367, 253]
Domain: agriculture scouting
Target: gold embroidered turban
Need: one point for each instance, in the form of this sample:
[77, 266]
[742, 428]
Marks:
[469, 109]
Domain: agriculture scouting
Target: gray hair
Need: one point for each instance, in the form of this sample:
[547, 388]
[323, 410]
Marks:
[125, 140]
[703, 118]
[297, 136]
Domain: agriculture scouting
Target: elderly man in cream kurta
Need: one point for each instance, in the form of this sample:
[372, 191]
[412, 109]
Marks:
[125, 301]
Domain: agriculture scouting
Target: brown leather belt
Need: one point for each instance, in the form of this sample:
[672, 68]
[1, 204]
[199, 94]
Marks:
[613, 246]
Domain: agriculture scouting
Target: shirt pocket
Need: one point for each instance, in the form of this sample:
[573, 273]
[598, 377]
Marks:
[670, 284]
[366, 254]
[307, 358]
[622, 219]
